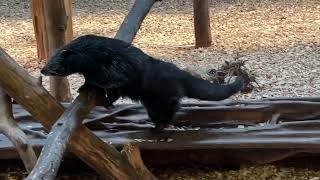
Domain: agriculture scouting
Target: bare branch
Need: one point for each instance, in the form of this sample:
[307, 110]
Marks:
[10, 129]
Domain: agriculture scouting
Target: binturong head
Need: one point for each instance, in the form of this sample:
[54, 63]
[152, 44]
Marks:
[62, 63]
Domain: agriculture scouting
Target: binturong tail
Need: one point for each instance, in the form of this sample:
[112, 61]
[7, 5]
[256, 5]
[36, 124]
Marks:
[204, 90]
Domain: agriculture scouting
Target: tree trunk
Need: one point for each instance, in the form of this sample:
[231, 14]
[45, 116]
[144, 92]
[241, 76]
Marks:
[69, 30]
[134, 19]
[132, 153]
[202, 23]
[37, 11]
[59, 87]
[56, 26]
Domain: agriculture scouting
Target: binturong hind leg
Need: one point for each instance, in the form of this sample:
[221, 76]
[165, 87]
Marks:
[162, 111]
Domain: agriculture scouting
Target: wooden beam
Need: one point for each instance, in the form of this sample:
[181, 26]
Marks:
[132, 153]
[202, 23]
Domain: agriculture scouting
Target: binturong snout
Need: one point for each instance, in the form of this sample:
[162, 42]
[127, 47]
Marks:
[45, 71]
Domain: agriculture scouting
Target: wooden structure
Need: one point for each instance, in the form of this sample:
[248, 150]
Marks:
[254, 132]
[128, 125]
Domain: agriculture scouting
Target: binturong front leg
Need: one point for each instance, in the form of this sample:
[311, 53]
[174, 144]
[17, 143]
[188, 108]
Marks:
[112, 96]
[102, 100]
[161, 111]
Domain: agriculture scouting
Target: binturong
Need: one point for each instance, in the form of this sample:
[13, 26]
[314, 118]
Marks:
[123, 70]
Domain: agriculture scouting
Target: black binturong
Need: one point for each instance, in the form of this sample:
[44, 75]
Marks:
[122, 70]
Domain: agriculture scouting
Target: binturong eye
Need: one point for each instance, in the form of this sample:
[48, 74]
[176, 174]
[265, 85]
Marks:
[66, 53]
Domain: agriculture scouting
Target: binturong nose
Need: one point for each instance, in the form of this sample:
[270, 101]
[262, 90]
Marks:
[44, 71]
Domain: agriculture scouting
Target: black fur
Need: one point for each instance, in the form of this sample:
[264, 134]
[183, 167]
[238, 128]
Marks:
[124, 70]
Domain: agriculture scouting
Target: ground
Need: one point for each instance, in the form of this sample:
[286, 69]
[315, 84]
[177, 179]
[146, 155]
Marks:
[279, 38]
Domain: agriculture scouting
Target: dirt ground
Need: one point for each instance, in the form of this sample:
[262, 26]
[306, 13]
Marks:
[279, 38]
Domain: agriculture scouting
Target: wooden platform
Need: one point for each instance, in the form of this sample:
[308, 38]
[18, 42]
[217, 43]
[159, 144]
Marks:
[205, 133]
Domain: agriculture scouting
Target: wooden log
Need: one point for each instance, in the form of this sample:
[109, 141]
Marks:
[69, 30]
[133, 20]
[40, 28]
[11, 130]
[52, 153]
[202, 28]
[44, 108]
[56, 25]
[132, 153]
[38, 19]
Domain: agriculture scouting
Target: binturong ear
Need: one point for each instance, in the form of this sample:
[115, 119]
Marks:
[66, 53]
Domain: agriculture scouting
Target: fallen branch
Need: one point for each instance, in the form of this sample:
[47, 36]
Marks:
[11, 130]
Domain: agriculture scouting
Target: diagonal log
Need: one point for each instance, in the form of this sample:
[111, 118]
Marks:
[56, 144]
[132, 153]
[43, 107]
[11, 130]
[134, 19]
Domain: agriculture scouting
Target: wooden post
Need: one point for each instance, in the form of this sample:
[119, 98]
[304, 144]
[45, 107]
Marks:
[37, 12]
[69, 30]
[53, 27]
[56, 25]
[202, 23]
